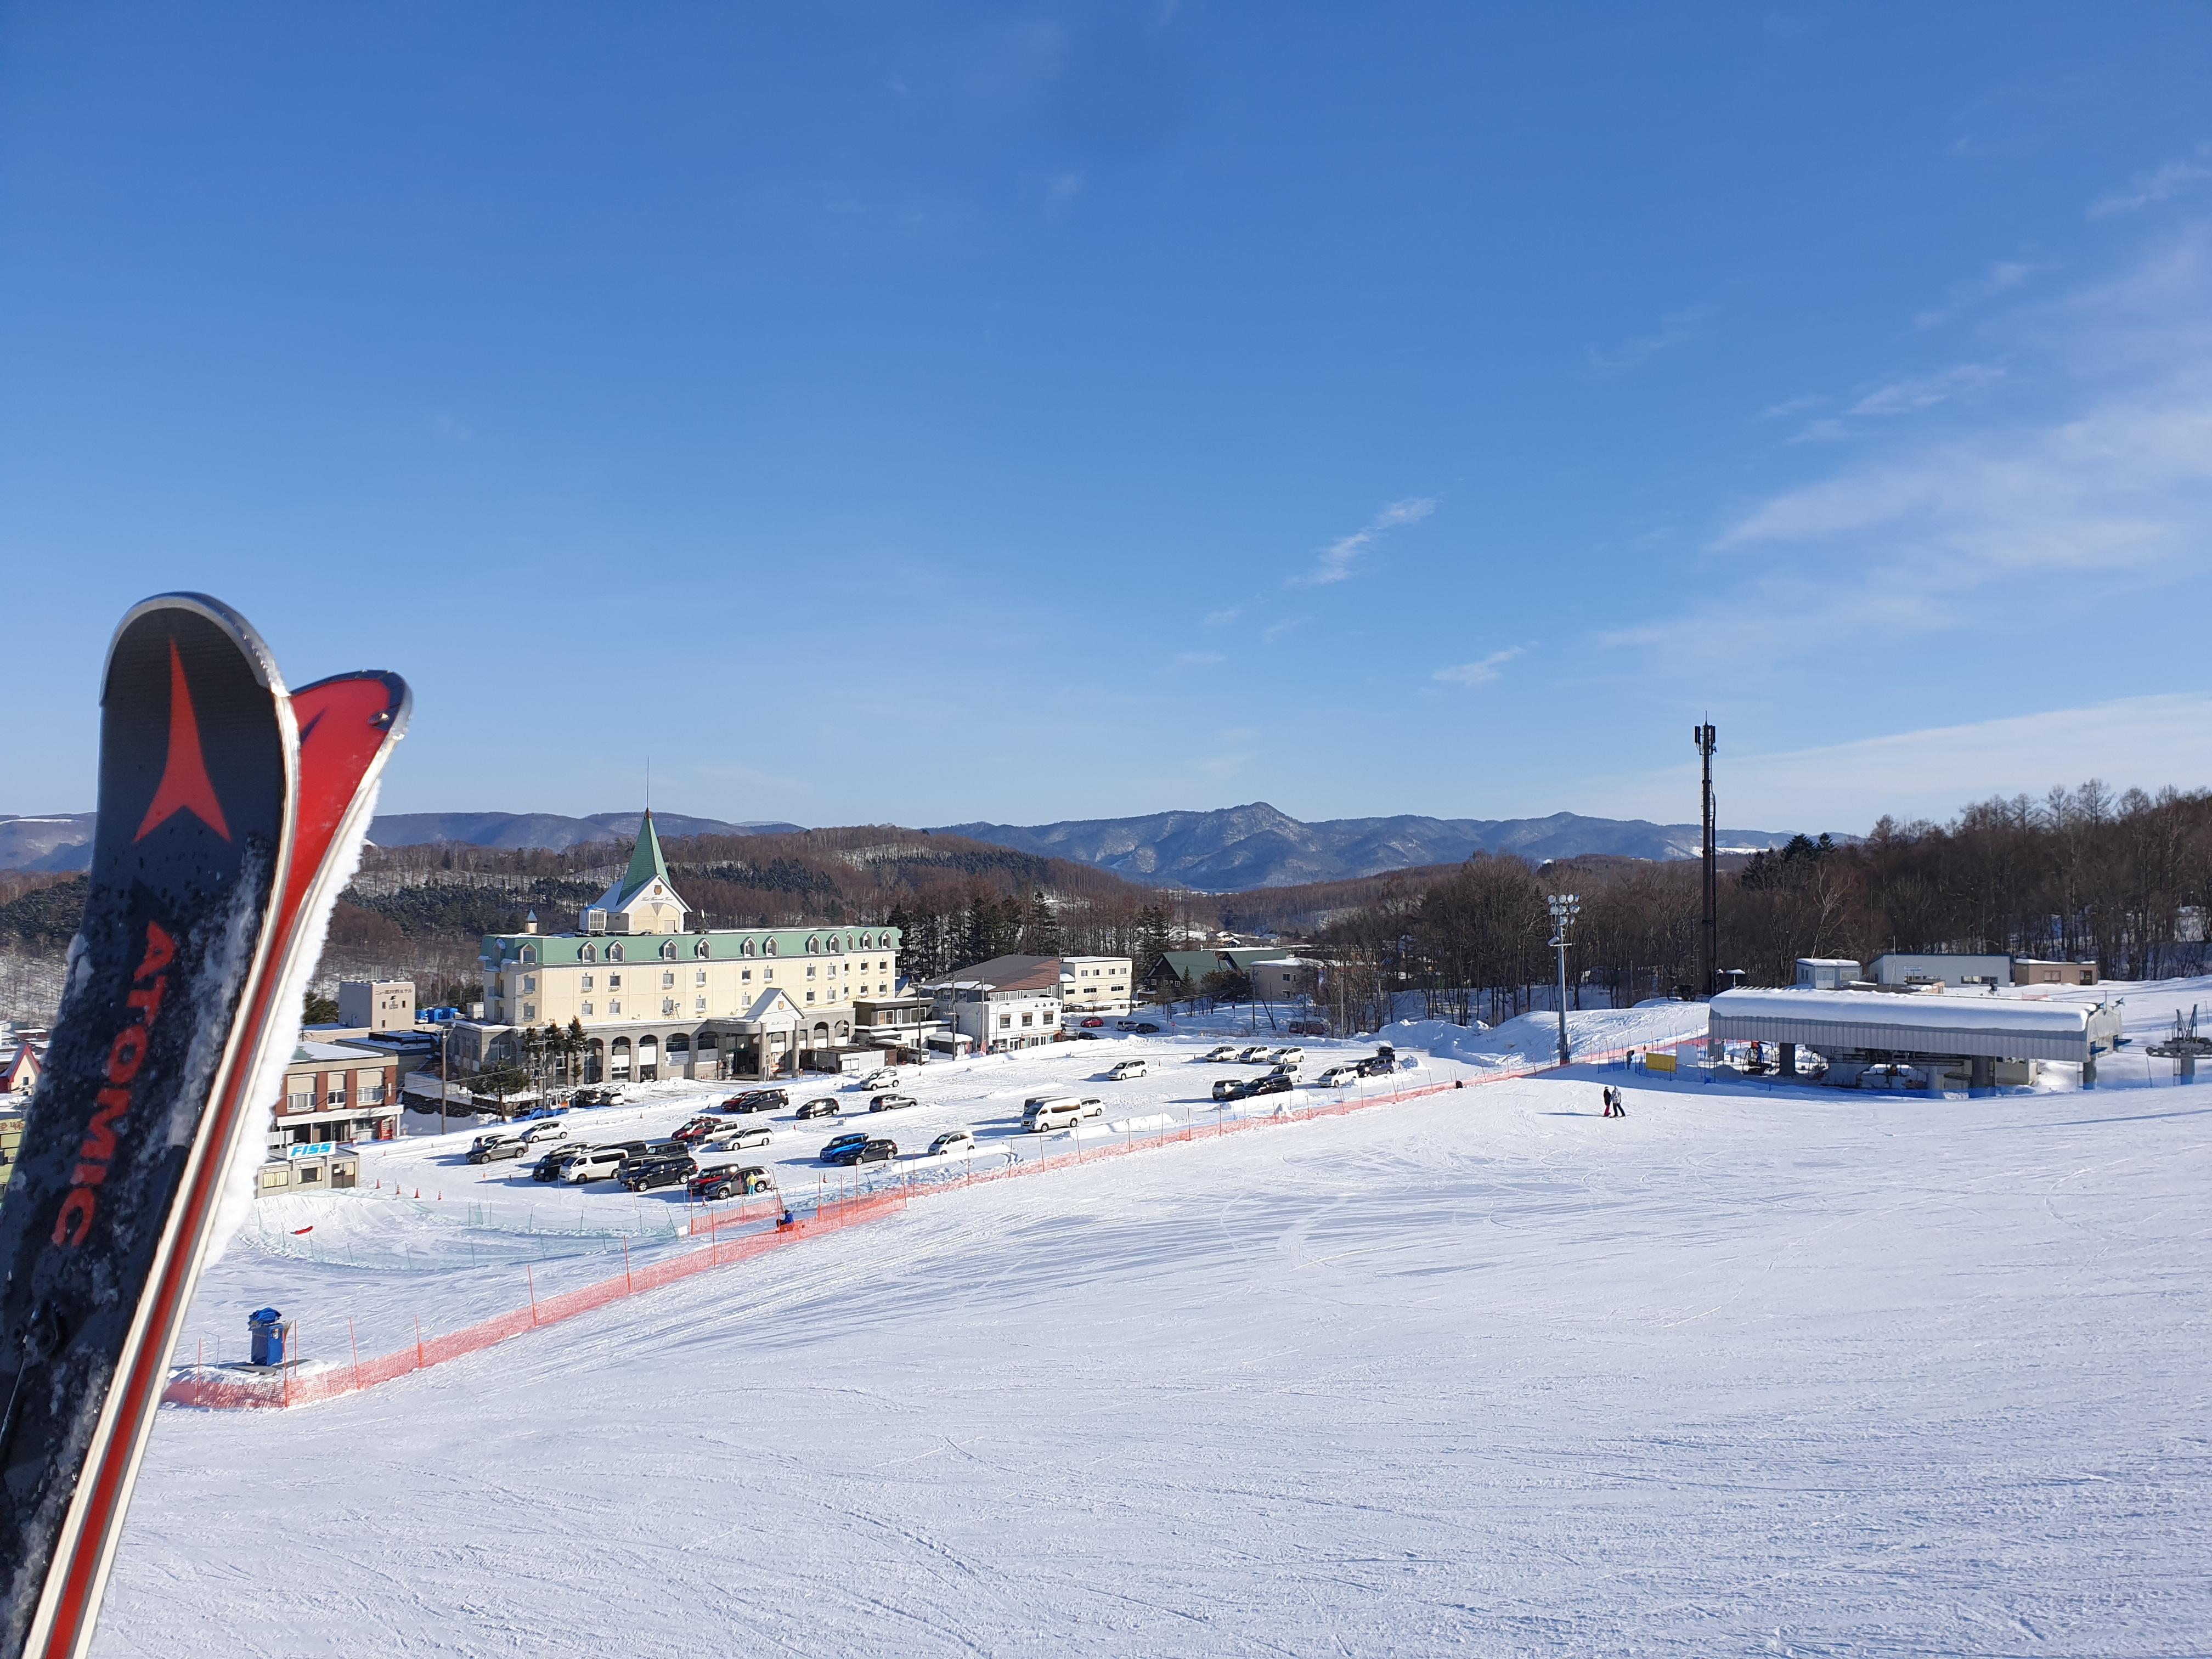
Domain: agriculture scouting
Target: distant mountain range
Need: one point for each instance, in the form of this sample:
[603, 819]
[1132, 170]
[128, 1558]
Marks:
[63, 841]
[1229, 850]
[1236, 848]
[548, 829]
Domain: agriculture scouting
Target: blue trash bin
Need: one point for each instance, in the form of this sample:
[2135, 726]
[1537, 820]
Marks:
[266, 1326]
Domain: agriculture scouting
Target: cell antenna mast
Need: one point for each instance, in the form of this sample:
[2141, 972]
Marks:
[1708, 951]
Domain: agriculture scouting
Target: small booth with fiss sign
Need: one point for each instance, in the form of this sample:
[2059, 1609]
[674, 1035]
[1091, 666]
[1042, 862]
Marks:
[314, 1167]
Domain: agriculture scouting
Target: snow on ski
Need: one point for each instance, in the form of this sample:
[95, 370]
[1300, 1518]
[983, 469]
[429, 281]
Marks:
[229, 816]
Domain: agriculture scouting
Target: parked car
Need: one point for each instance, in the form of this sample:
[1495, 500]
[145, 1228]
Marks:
[1288, 1069]
[881, 1078]
[698, 1129]
[953, 1140]
[835, 1148]
[554, 1163]
[1308, 1027]
[1226, 1051]
[1252, 1056]
[1376, 1065]
[1275, 1082]
[1125, 1024]
[643, 1174]
[1337, 1076]
[1092, 1024]
[1088, 1036]
[1291, 1055]
[759, 1100]
[737, 1137]
[1384, 1051]
[893, 1102]
[1232, 1088]
[1045, 1112]
[813, 1109]
[607, 1095]
[875, 1151]
[496, 1147]
[544, 1128]
[729, 1180]
[1145, 1028]
[595, 1163]
[1125, 1070]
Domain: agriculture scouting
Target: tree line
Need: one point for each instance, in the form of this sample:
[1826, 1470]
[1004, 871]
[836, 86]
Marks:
[2080, 875]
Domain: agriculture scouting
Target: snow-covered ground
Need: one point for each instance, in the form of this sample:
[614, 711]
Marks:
[1752, 1369]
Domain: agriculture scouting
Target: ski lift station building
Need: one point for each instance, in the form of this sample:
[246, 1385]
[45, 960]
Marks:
[1969, 1042]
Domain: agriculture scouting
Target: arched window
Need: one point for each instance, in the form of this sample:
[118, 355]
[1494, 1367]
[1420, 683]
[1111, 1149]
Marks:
[865, 944]
[749, 947]
[844, 1030]
[589, 953]
[529, 953]
[813, 945]
[769, 946]
[836, 948]
[668, 951]
[614, 953]
[700, 949]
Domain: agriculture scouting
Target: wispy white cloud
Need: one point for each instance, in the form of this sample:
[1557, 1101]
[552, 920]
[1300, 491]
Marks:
[1676, 329]
[1916, 392]
[1223, 617]
[1199, 659]
[2001, 278]
[1275, 631]
[1911, 395]
[1480, 672]
[1790, 406]
[2147, 189]
[1340, 558]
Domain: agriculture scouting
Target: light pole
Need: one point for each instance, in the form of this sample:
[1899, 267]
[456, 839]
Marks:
[1565, 908]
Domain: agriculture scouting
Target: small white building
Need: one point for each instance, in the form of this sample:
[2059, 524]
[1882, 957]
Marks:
[1944, 967]
[1005, 1003]
[377, 1005]
[1096, 985]
[1828, 973]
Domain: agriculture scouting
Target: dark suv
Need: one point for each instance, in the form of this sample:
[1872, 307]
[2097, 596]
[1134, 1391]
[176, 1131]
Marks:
[1275, 1082]
[893, 1102]
[868, 1151]
[643, 1174]
[835, 1148]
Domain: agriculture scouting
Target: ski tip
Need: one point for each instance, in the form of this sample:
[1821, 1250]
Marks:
[232, 622]
[399, 704]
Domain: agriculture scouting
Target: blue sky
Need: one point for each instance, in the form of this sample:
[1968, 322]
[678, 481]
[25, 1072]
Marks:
[922, 413]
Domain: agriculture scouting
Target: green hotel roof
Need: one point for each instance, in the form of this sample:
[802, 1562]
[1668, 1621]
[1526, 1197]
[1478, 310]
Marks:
[646, 863]
[723, 945]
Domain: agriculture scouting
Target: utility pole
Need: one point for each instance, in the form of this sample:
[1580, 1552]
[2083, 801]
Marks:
[1565, 908]
[1708, 950]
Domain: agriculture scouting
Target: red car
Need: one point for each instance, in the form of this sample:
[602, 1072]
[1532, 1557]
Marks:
[697, 1129]
[1093, 1023]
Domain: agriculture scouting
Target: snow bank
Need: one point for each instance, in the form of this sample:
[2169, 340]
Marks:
[1533, 1039]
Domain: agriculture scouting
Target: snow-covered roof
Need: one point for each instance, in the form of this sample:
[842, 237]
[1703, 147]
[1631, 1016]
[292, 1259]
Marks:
[1996, 1026]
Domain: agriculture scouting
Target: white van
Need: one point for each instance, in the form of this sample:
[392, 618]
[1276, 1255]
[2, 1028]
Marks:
[1125, 1070]
[1337, 1076]
[1292, 1056]
[596, 1164]
[1058, 1112]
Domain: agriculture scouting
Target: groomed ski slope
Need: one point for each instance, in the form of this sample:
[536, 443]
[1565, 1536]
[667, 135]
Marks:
[1746, 1372]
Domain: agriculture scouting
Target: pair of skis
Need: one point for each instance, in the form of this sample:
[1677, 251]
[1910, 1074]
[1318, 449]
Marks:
[231, 812]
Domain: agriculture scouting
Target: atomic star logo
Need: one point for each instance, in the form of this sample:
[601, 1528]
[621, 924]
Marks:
[185, 784]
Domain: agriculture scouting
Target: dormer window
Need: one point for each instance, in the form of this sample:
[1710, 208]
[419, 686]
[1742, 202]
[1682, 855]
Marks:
[530, 953]
[700, 949]
[589, 953]
[668, 951]
[614, 953]
[865, 944]
[768, 947]
[749, 947]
